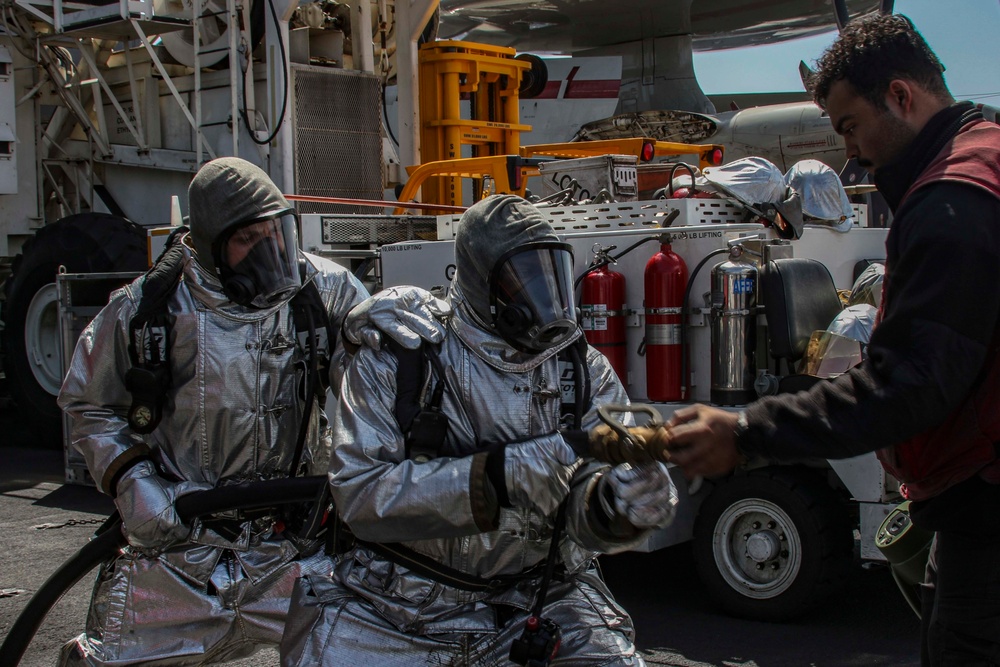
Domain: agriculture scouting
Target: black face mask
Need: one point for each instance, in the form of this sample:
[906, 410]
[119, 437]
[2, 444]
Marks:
[267, 271]
[531, 296]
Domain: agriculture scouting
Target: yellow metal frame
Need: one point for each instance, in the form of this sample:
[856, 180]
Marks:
[632, 146]
[491, 76]
[498, 167]
[495, 167]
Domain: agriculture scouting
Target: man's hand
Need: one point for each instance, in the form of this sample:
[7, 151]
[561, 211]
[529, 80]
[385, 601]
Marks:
[409, 315]
[146, 504]
[650, 444]
[703, 441]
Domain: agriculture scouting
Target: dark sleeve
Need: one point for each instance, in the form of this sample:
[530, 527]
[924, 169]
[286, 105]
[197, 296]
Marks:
[940, 314]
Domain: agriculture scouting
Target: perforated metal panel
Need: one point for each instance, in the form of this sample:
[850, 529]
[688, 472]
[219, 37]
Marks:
[377, 229]
[338, 137]
[624, 216]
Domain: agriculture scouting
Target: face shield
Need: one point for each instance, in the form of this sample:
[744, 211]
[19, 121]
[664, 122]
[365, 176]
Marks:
[531, 296]
[258, 262]
[829, 354]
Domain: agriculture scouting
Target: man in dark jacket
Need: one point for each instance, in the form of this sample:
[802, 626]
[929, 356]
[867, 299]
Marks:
[928, 397]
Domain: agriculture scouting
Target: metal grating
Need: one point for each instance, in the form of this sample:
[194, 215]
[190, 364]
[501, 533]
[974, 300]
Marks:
[338, 137]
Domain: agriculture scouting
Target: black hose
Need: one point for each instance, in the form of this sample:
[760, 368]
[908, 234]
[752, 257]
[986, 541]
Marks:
[385, 115]
[685, 382]
[109, 541]
[312, 381]
[612, 259]
[670, 183]
[284, 98]
[249, 496]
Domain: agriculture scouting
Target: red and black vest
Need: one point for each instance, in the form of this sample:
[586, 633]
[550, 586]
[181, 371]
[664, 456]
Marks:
[966, 443]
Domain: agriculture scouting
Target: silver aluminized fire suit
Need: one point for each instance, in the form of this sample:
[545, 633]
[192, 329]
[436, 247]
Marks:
[233, 415]
[372, 611]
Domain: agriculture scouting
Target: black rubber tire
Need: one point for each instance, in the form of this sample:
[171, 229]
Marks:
[810, 535]
[534, 80]
[87, 242]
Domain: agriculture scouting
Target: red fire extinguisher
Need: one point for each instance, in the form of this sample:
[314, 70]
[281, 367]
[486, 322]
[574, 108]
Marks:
[602, 308]
[666, 279]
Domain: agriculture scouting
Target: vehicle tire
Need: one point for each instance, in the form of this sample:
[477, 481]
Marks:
[771, 543]
[86, 242]
[534, 80]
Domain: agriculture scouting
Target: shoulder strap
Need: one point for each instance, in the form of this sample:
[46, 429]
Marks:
[148, 337]
[317, 344]
[410, 372]
[308, 311]
[574, 383]
[158, 285]
[423, 424]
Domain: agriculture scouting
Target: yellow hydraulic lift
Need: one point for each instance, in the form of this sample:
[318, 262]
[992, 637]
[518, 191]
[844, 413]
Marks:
[490, 77]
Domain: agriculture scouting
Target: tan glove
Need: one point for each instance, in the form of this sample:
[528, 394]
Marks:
[649, 443]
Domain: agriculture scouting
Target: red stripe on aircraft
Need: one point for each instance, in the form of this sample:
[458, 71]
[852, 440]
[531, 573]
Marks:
[585, 89]
[593, 88]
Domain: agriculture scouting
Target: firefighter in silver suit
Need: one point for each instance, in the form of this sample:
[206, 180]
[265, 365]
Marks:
[445, 550]
[232, 412]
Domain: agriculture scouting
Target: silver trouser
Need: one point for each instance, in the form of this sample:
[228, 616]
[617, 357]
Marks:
[144, 612]
[330, 625]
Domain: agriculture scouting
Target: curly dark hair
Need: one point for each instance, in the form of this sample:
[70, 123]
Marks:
[872, 51]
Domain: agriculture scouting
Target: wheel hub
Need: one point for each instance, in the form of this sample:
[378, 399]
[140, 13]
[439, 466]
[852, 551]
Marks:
[757, 548]
[763, 546]
[41, 338]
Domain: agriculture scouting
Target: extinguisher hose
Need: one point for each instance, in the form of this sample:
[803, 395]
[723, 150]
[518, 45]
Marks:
[611, 259]
[685, 381]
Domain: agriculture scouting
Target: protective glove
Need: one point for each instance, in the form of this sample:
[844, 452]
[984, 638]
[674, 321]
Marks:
[650, 441]
[642, 494]
[146, 504]
[535, 474]
[410, 315]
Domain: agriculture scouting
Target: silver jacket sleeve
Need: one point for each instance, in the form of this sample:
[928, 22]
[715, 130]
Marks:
[439, 508]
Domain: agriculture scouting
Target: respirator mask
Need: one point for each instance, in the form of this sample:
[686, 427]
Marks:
[531, 296]
[258, 261]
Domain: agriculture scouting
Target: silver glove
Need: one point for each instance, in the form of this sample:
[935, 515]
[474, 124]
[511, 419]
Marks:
[409, 315]
[643, 494]
[146, 504]
[538, 472]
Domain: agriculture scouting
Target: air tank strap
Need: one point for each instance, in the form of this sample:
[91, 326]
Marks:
[449, 576]
[149, 337]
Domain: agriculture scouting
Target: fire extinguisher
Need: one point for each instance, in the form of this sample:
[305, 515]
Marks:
[734, 329]
[602, 309]
[666, 278]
